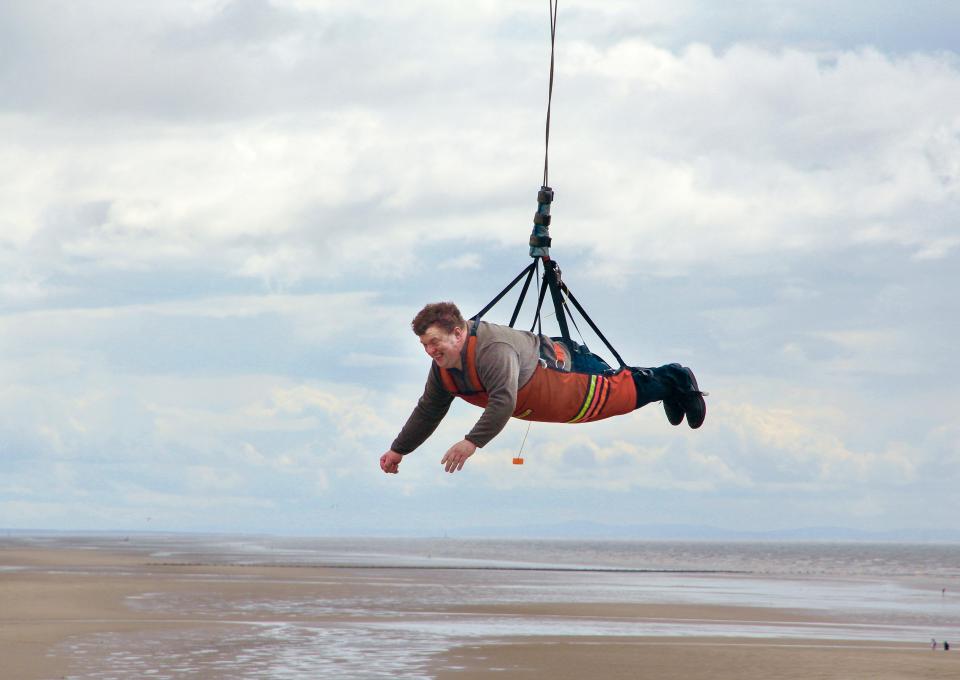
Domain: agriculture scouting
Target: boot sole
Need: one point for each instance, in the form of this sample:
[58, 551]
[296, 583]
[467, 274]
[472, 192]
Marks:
[701, 413]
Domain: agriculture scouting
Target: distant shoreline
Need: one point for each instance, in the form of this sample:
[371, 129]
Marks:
[576, 531]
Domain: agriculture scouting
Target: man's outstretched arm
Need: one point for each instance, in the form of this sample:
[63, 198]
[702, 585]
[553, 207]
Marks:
[427, 414]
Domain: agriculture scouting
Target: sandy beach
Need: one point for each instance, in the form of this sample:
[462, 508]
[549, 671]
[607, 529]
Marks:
[696, 659]
[75, 613]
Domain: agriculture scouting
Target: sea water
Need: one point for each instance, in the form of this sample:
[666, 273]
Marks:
[413, 598]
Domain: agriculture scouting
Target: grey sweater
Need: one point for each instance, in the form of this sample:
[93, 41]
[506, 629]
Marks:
[506, 359]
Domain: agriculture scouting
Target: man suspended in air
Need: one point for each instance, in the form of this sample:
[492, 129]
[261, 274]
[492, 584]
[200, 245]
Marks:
[512, 373]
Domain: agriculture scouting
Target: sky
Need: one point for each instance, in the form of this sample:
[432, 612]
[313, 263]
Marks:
[218, 217]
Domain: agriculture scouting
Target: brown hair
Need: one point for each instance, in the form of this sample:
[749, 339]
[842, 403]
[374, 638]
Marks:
[442, 314]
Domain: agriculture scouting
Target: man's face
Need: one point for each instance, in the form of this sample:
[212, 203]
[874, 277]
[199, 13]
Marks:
[443, 348]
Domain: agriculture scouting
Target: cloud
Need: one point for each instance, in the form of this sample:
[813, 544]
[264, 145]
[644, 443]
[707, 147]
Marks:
[795, 446]
[743, 152]
[219, 216]
[717, 147]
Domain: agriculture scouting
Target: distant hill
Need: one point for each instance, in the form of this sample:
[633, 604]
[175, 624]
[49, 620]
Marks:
[689, 532]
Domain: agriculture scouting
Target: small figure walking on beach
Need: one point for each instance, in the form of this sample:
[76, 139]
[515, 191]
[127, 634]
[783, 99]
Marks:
[946, 646]
[933, 644]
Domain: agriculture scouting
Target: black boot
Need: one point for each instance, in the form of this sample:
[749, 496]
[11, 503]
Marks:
[676, 387]
[674, 410]
[691, 400]
[682, 397]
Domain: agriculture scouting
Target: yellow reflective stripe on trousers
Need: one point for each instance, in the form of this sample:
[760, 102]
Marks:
[588, 400]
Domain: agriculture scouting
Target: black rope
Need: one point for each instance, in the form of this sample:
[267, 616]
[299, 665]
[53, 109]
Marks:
[553, 35]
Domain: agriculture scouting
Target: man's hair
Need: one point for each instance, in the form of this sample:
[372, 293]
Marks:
[442, 314]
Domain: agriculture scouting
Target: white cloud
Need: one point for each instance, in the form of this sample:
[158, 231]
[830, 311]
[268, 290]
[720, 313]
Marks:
[465, 262]
[804, 445]
[665, 160]
[218, 218]
[752, 152]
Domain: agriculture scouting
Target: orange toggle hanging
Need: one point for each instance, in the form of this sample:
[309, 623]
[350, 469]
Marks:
[518, 461]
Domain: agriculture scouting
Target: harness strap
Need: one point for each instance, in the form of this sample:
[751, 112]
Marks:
[523, 292]
[596, 330]
[526, 272]
[467, 380]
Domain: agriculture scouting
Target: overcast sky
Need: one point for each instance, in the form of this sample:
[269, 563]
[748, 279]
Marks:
[217, 218]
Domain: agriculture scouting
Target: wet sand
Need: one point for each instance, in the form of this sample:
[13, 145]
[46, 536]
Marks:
[54, 603]
[697, 659]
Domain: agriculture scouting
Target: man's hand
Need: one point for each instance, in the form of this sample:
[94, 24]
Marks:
[390, 462]
[457, 455]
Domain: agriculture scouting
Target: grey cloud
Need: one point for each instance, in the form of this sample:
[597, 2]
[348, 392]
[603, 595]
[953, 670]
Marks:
[244, 23]
[246, 58]
[889, 25]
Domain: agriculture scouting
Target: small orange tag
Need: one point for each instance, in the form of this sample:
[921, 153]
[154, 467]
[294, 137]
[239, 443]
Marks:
[518, 461]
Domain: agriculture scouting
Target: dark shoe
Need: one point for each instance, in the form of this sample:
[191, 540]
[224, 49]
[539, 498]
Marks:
[674, 411]
[692, 401]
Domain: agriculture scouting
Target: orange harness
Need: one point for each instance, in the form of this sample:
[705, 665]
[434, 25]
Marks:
[551, 395]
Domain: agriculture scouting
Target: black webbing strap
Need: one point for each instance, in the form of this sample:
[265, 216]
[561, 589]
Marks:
[525, 272]
[573, 319]
[596, 330]
[523, 294]
[551, 275]
[536, 318]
